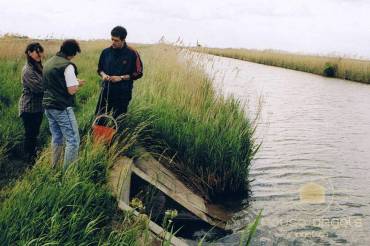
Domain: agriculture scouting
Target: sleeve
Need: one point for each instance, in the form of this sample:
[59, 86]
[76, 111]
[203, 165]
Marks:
[138, 69]
[70, 76]
[100, 64]
[31, 81]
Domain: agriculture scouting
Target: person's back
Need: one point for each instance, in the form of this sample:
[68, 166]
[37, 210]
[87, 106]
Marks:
[56, 94]
[60, 85]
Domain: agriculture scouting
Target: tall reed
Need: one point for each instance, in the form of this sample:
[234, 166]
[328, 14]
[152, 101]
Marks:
[210, 136]
[339, 67]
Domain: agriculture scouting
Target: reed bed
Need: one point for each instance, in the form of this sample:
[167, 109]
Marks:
[208, 138]
[338, 67]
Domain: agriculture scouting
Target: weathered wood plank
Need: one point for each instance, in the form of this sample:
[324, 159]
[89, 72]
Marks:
[120, 178]
[154, 228]
[120, 181]
[156, 174]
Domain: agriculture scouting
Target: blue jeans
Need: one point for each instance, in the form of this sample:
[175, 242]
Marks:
[63, 126]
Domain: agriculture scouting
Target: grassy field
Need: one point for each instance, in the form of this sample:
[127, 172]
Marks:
[11, 62]
[77, 208]
[205, 138]
[343, 68]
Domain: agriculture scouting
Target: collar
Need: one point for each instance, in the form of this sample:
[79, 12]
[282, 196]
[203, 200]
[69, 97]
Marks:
[123, 47]
[61, 54]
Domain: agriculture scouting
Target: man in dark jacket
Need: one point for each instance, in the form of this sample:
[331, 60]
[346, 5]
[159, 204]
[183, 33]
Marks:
[119, 65]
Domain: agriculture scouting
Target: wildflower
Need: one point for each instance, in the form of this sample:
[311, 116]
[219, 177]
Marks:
[170, 214]
[136, 203]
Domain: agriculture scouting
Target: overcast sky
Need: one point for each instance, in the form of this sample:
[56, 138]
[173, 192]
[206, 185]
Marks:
[309, 26]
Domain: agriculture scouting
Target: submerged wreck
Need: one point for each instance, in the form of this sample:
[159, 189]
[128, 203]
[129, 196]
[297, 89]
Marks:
[126, 173]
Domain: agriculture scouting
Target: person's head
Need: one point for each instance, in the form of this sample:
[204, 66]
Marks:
[34, 52]
[70, 48]
[118, 34]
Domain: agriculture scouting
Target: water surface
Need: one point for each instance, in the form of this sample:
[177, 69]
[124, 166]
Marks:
[314, 131]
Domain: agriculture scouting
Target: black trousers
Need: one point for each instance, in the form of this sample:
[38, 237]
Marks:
[113, 100]
[31, 123]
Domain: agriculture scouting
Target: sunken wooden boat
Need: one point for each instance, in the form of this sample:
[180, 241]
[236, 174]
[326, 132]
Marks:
[153, 172]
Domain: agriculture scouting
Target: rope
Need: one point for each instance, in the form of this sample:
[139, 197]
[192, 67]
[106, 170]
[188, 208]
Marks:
[107, 98]
[105, 115]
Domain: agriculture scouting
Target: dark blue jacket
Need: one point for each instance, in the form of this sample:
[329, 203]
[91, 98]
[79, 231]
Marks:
[118, 62]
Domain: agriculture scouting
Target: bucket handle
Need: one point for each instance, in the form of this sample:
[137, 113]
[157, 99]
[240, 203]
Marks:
[106, 116]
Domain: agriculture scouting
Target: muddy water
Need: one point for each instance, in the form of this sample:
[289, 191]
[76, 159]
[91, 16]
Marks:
[312, 174]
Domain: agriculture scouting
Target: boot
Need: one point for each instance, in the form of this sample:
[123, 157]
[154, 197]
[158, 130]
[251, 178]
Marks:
[30, 150]
[57, 151]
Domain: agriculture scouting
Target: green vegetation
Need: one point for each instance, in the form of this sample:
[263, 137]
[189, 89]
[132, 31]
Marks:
[207, 137]
[11, 62]
[76, 208]
[343, 68]
[175, 113]
[330, 70]
[249, 231]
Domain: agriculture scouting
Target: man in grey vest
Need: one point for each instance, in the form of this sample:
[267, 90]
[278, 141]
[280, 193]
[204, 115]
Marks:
[60, 86]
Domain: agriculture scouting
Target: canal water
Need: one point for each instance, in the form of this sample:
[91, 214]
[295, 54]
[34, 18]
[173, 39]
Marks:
[312, 173]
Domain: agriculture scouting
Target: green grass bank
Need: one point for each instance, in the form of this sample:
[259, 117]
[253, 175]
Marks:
[206, 138]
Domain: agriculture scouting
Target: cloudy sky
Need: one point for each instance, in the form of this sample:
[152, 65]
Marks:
[310, 26]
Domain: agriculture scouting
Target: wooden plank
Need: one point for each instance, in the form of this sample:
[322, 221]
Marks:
[156, 174]
[120, 178]
[120, 181]
[154, 228]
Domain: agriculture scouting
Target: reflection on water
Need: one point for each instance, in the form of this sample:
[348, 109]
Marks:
[316, 137]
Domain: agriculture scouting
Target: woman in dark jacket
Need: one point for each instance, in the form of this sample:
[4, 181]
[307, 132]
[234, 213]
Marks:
[30, 103]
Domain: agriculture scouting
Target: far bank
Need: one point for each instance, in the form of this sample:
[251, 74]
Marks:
[336, 67]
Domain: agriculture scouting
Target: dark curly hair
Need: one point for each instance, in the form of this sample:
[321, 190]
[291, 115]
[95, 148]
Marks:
[31, 47]
[120, 32]
[70, 47]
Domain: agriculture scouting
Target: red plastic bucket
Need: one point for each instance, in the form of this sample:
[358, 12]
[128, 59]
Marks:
[104, 134]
